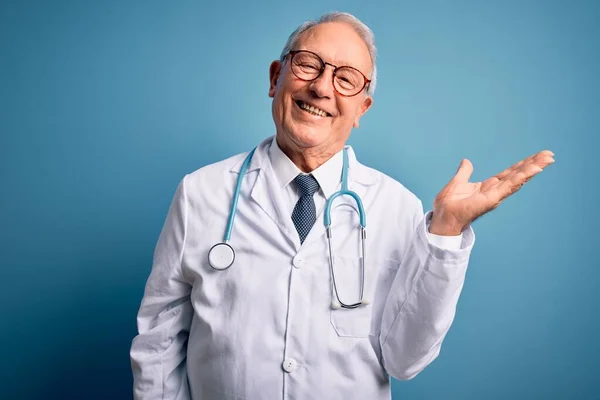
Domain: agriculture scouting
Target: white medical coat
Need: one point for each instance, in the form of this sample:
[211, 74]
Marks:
[265, 328]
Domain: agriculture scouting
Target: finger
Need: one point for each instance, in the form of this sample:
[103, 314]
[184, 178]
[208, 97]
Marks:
[500, 176]
[542, 159]
[489, 183]
[464, 171]
[495, 181]
[511, 179]
[515, 181]
[510, 170]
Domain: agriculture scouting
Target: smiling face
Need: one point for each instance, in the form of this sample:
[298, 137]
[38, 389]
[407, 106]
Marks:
[311, 117]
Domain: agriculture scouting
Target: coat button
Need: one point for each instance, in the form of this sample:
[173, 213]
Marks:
[297, 262]
[289, 365]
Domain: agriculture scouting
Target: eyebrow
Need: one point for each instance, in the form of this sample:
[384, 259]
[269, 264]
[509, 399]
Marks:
[342, 64]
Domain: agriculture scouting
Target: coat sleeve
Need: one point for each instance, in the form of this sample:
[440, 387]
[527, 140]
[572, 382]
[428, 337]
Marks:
[158, 352]
[422, 301]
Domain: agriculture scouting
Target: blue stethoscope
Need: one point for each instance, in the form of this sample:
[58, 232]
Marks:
[221, 256]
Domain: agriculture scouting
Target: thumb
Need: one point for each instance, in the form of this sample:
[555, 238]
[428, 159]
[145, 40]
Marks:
[464, 171]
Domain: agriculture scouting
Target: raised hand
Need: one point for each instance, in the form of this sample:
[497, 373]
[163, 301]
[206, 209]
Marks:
[461, 202]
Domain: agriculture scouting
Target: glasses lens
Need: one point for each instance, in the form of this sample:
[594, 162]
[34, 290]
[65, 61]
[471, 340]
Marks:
[306, 65]
[348, 81]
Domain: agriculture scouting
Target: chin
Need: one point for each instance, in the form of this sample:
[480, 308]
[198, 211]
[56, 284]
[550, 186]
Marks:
[308, 137]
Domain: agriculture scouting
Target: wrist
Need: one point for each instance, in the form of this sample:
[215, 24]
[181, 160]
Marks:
[444, 228]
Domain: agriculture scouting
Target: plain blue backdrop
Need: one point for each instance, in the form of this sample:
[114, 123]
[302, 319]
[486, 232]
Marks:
[105, 105]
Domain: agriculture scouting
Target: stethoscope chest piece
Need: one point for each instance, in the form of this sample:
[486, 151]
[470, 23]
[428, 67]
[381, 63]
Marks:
[221, 256]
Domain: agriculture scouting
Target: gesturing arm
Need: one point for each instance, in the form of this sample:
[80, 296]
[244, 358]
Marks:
[422, 300]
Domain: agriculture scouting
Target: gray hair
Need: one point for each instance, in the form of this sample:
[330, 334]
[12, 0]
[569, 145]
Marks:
[363, 31]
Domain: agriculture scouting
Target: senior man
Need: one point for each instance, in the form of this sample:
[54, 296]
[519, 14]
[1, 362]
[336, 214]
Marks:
[287, 308]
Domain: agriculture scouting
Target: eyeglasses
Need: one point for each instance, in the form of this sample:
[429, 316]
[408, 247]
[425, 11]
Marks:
[308, 66]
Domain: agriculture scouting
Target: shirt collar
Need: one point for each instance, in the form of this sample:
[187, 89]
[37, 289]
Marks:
[328, 175]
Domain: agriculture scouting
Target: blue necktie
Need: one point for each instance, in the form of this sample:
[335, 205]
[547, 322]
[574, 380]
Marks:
[305, 213]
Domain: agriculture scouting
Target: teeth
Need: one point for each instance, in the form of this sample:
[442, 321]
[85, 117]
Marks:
[312, 110]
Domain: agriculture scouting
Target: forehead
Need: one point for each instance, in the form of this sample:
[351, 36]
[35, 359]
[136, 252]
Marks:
[337, 43]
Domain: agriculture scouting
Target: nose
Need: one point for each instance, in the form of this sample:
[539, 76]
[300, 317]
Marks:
[322, 87]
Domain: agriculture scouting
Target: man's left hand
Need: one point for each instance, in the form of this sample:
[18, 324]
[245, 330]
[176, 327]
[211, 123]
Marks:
[461, 202]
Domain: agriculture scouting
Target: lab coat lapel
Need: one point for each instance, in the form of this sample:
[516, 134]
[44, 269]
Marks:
[266, 193]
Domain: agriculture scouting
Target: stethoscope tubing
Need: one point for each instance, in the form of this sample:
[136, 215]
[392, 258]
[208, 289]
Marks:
[236, 196]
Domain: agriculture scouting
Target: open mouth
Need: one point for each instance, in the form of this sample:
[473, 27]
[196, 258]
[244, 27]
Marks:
[312, 110]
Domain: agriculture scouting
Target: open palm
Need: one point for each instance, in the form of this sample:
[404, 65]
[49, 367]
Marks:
[460, 202]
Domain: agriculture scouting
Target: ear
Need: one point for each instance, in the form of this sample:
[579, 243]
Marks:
[363, 108]
[274, 73]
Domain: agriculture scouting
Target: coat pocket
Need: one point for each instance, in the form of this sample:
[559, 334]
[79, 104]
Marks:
[364, 320]
[348, 278]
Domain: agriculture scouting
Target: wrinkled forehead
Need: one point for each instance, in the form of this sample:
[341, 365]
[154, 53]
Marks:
[337, 43]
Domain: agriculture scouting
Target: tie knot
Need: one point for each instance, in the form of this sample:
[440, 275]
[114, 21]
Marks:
[307, 184]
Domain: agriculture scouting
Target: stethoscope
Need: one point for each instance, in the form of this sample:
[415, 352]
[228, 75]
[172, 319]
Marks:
[221, 256]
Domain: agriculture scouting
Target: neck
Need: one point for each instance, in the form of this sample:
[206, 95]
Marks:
[307, 159]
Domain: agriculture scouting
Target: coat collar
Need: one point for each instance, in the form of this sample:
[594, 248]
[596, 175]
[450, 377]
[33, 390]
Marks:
[267, 193]
[357, 172]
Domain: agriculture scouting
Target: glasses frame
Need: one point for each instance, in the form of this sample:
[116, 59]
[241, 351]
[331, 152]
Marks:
[293, 53]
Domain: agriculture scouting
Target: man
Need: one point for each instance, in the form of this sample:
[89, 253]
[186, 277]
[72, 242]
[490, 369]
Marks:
[295, 318]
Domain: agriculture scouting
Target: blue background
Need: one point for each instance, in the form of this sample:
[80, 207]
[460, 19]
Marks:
[105, 105]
